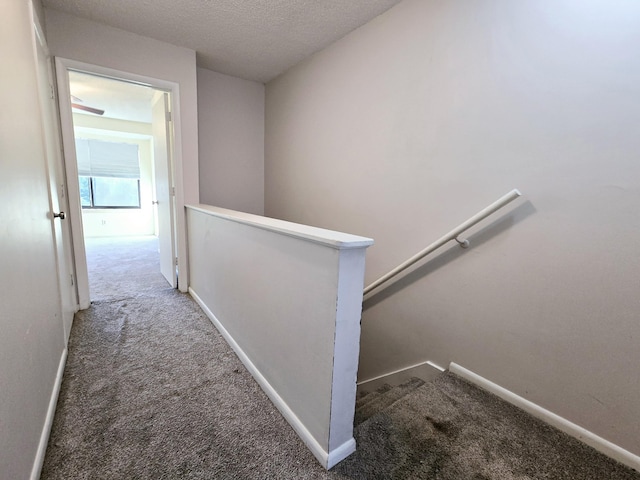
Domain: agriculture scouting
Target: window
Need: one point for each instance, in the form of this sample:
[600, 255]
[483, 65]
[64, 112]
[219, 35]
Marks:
[106, 192]
[108, 174]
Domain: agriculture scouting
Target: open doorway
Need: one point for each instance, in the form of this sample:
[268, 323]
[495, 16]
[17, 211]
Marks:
[121, 173]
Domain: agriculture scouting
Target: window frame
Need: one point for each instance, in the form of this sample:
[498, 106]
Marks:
[93, 206]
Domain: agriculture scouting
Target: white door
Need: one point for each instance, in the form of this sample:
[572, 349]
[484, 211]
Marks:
[165, 197]
[57, 191]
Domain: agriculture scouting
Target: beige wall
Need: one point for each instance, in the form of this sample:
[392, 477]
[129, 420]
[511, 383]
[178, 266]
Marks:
[82, 40]
[414, 122]
[32, 338]
[231, 136]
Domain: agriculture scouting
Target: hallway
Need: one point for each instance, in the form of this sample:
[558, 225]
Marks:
[152, 391]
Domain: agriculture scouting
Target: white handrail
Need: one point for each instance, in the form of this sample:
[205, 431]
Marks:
[452, 235]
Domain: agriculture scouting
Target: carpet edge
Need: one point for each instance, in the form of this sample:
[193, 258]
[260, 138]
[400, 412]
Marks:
[323, 456]
[600, 444]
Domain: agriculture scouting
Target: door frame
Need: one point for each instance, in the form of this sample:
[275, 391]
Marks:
[58, 200]
[165, 210]
[63, 66]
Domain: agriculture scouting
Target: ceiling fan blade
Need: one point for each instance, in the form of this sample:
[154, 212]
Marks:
[97, 111]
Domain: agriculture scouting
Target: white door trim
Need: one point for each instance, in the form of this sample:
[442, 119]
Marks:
[63, 65]
[55, 171]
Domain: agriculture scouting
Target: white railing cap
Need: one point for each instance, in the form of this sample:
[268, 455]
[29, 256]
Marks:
[330, 238]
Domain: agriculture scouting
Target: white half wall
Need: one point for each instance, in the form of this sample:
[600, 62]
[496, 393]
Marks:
[231, 136]
[89, 42]
[288, 299]
[407, 126]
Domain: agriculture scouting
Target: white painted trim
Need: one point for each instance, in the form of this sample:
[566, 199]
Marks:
[48, 422]
[340, 453]
[73, 189]
[424, 370]
[326, 459]
[346, 350]
[329, 238]
[600, 444]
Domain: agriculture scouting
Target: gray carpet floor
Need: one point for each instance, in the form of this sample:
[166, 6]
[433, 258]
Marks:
[152, 391]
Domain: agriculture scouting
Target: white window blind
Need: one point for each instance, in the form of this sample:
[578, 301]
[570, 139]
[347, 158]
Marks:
[107, 159]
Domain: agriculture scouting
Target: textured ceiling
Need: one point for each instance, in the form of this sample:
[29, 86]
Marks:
[252, 39]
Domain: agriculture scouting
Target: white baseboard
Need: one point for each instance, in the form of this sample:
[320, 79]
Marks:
[326, 459]
[338, 454]
[48, 421]
[603, 446]
[425, 370]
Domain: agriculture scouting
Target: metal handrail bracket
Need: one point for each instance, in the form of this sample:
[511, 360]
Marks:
[452, 235]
